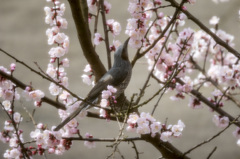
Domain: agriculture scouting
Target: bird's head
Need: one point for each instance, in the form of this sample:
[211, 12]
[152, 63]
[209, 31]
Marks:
[122, 52]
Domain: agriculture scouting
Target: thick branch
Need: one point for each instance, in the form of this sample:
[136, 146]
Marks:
[79, 12]
[167, 150]
[23, 86]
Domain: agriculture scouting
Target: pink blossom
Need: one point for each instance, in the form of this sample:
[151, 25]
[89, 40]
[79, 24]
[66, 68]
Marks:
[57, 52]
[236, 133]
[111, 89]
[36, 95]
[97, 38]
[114, 26]
[177, 129]
[116, 44]
[132, 119]
[107, 6]
[7, 105]
[89, 144]
[17, 117]
[104, 103]
[51, 71]
[195, 103]
[54, 89]
[13, 153]
[155, 127]
[214, 20]
[13, 142]
[166, 136]
[8, 95]
[86, 79]
[221, 122]
[8, 126]
[92, 5]
[87, 68]
[13, 67]
[106, 94]
[143, 129]
[59, 149]
[147, 116]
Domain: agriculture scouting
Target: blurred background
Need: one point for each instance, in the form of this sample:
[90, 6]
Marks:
[22, 33]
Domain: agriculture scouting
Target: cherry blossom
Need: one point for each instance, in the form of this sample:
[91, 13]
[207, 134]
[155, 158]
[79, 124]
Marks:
[146, 124]
[221, 122]
[97, 38]
[214, 20]
[89, 144]
[7, 105]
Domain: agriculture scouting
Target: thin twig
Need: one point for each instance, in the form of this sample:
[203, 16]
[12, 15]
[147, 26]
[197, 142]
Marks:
[211, 153]
[213, 137]
[102, 10]
[136, 150]
[104, 139]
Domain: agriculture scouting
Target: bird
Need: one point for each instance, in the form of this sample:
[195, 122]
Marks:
[117, 76]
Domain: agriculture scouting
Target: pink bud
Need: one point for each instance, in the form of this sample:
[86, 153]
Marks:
[184, 8]
[13, 66]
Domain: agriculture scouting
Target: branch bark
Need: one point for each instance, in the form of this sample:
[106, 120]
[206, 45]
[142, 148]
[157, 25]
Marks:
[167, 150]
[80, 15]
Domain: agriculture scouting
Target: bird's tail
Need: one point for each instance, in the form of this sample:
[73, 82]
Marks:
[71, 116]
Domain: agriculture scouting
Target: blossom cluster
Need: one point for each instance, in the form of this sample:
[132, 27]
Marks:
[49, 140]
[15, 150]
[92, 5]
[57, 63]
[176, 61]
[7, 88]
[113, 26]
[108, 98]
[146, 124]
[11, 134]
[137, 24]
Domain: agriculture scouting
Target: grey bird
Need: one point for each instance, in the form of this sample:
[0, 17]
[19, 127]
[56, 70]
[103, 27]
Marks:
[118, 76]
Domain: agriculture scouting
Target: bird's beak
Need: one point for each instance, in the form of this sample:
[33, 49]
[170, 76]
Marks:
[125, 45]
[125, 50]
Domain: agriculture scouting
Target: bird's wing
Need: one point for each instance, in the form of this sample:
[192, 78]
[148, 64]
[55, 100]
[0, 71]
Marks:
[113, 77]
[70, 117]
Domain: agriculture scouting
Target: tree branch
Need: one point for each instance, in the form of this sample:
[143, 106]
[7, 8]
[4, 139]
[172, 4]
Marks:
[210, 139]
[167, 150]
[102, 10]
[211, 105]
[79, 12]
[23, 86]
